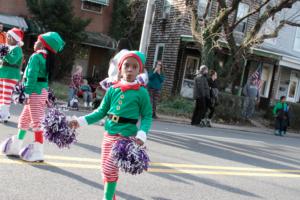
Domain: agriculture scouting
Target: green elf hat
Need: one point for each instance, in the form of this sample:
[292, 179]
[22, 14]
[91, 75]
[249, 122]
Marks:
[139, 56]
[52, 41]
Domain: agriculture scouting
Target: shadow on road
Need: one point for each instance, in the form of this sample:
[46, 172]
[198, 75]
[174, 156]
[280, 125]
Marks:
[265, 155]
[81, 179]
[186, 178]
[89, 147]
[11, 124]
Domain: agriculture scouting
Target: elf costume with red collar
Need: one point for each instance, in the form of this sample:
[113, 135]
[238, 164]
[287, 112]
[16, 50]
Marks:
[10, 71]
[124, 103]
[36, 86]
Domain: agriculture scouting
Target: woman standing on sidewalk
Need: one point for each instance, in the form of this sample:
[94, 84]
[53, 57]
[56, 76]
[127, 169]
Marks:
[156, 79]
[214, 92]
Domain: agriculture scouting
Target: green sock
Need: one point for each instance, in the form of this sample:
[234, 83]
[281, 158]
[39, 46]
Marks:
[109, 190]
[21, 134]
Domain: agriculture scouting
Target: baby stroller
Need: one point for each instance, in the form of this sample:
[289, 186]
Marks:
[74, 103]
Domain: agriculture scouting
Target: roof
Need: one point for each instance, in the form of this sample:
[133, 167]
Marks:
[99, 40]
[101, 2]
[10, 21]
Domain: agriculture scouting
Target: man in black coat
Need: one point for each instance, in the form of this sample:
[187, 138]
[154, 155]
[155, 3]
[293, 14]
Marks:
[201, 95]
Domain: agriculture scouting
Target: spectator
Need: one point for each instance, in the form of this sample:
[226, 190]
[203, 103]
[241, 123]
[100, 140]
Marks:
[251, 93]
[75, 84]
[282, 119]
[87, 93]
[156, 78]
[214, 99]
[2, 35]
[201, 95]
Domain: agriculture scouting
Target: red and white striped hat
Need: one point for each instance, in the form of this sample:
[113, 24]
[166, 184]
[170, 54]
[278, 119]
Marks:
[17, 34]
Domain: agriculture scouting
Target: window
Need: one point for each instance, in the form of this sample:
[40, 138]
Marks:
[201, 7]
[191, 66]
[167, 8]
[159, 51]
[92, 6]
[243, 10]
[297, 40]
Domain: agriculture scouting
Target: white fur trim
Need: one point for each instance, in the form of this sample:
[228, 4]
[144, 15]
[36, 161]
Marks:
[82, 121]
[141, 135]
[15, 36]
[128, 83]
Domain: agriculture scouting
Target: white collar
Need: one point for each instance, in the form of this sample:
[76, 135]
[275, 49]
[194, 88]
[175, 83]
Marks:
[128, 83]
[42, 51]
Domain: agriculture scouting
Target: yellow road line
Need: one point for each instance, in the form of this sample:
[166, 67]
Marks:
[156, 170]
[53, 164]
[170, 165]
[175, 165]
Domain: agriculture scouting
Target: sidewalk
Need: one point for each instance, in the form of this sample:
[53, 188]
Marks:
[257, 127]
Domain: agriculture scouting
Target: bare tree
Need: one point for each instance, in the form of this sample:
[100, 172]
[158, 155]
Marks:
[215, 31]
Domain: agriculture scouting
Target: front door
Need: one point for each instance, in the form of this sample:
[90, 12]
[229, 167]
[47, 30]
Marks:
[293, 88]
[190, 69]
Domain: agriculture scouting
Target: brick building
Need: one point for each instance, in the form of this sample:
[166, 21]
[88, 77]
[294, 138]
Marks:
[96, 49]
[172, 41]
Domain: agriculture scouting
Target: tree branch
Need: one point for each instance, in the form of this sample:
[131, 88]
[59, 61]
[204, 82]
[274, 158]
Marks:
[268, 13]
[274, 34]
[249, 14]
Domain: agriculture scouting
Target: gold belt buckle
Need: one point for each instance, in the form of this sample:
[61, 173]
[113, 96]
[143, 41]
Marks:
[115, 118]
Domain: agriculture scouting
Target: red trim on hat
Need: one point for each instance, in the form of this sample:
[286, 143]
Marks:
[45, 44]
[132, 55]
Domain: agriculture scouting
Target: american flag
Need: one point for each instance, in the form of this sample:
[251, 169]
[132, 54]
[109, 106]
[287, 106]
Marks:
[256, 76]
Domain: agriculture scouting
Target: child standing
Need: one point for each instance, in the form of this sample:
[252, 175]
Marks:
[281, 112]
[124, 103]
[36, 85]
[10, 70]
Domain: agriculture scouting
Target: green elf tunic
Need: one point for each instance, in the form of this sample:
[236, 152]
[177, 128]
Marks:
[10, 67]
[36, 76]
[130, 104]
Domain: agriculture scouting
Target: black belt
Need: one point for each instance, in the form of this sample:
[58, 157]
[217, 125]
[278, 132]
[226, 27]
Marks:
[39, 79]
[118, 119]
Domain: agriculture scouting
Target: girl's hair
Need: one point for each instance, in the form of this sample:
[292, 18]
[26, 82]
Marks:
[282, 97]
[212, 72]
[50, 62]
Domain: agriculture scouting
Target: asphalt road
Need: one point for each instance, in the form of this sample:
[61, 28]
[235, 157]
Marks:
[187, 163]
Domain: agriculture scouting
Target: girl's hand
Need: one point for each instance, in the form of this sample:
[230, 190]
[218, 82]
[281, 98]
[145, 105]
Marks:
[73, 124]
[139, 142]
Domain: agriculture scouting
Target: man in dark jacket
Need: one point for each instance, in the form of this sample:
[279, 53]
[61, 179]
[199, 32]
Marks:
[201, 95]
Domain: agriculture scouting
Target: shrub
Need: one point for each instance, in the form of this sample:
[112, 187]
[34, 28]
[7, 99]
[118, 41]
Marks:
[176, 106]
[61, 90]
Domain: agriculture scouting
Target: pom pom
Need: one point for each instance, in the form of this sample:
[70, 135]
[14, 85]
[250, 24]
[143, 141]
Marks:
[57, 130]
[130, 157]
[3, 50]
[18, 95]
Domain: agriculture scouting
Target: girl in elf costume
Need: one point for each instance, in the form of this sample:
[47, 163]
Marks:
[124, 103]
[36, 85]
[10, 70]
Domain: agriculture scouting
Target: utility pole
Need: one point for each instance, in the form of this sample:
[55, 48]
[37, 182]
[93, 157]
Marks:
[147, 27]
